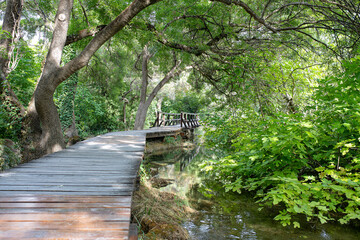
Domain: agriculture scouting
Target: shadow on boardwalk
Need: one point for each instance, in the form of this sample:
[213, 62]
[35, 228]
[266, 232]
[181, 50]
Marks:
[82, 192]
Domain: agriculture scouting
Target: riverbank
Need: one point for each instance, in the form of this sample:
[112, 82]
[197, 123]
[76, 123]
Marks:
[158, 214]
[220, 214]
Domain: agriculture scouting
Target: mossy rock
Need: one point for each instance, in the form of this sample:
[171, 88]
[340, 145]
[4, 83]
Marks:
[9, 154]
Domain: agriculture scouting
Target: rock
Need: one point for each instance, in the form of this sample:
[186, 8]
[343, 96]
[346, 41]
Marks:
[160, 182]
[73, 140]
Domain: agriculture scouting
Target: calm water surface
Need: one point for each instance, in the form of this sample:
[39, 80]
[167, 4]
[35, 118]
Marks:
[225, 215]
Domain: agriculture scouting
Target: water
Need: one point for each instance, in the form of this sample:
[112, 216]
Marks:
[226, 215]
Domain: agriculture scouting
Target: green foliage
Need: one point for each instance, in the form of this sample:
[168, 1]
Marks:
[24, 77]
[10, 120]
[172, 139]
[95, 114]
[9, 154]
[65, 94]
[191, 103]
[66, 101]
[307, 163]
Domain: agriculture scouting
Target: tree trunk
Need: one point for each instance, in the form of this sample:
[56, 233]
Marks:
[52, 139]
[71, 131]
[10, 27]
[142, 110]
[124, 111]
[145, 103]
[53, 74]
[8, 37]
[159, 104]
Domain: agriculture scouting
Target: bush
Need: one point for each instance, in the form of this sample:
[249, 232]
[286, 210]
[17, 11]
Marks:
[9, 154]
[306, 163]
[10, 120]
[95, 114]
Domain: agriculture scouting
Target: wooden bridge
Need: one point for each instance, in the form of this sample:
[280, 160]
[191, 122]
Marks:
[82, 192]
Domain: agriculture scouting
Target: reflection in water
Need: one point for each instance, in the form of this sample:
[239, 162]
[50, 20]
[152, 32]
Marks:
[226, 215]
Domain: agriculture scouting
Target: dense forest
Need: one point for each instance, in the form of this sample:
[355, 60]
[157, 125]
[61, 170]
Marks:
[277, 84]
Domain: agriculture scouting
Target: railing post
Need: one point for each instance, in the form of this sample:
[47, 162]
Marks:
[157, 121]
[167, 120]
[163, 119]
[185, 120]
[181, 119]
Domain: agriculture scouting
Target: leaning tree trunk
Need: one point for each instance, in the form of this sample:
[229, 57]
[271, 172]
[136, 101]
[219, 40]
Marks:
[52, 139]
[53, 74]
[145, 104]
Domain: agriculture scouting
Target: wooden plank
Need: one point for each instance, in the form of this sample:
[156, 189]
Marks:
[82, 165]
[69, 174]
[62, 205]
[133, 231]
[75, 216]
[67, 188]
[85, 159]
[92, 154]
[131, 170]
[63, 234]
[97, 182]
[6, 212]
[65, 199]
[77, 184]
[65, 225]
[84, 193]
[103, 180]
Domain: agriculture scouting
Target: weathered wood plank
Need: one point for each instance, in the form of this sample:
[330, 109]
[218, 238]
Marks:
[65, 193]
[68, 188]
[65, 199]
[72, 211]
[42, 181]
[63, 234]
[77, 184]
[63, 205]
[76, 216]
[68, 174]
[66, 225]
[81, 165]
[83, 192]
[130, 170]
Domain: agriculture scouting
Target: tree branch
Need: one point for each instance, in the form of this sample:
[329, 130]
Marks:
[248, 10]
[84, 33]
[109, 31]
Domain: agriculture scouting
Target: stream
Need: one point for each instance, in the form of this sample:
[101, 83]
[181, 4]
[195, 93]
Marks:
[227, 215]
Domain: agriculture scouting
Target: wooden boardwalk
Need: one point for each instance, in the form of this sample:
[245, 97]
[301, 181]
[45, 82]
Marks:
[83, 192]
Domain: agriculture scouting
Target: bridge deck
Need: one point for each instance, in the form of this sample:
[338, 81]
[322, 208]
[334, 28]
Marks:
[83, 192]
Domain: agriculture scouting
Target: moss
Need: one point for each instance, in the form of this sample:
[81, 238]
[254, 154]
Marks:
[9, 154]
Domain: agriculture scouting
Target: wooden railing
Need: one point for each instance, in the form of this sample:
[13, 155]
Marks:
[186, 120]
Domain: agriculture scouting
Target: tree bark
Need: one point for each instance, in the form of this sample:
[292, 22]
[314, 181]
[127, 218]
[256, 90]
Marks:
[145, 103]
[10, 27]
[140, 118]
[10, 35]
